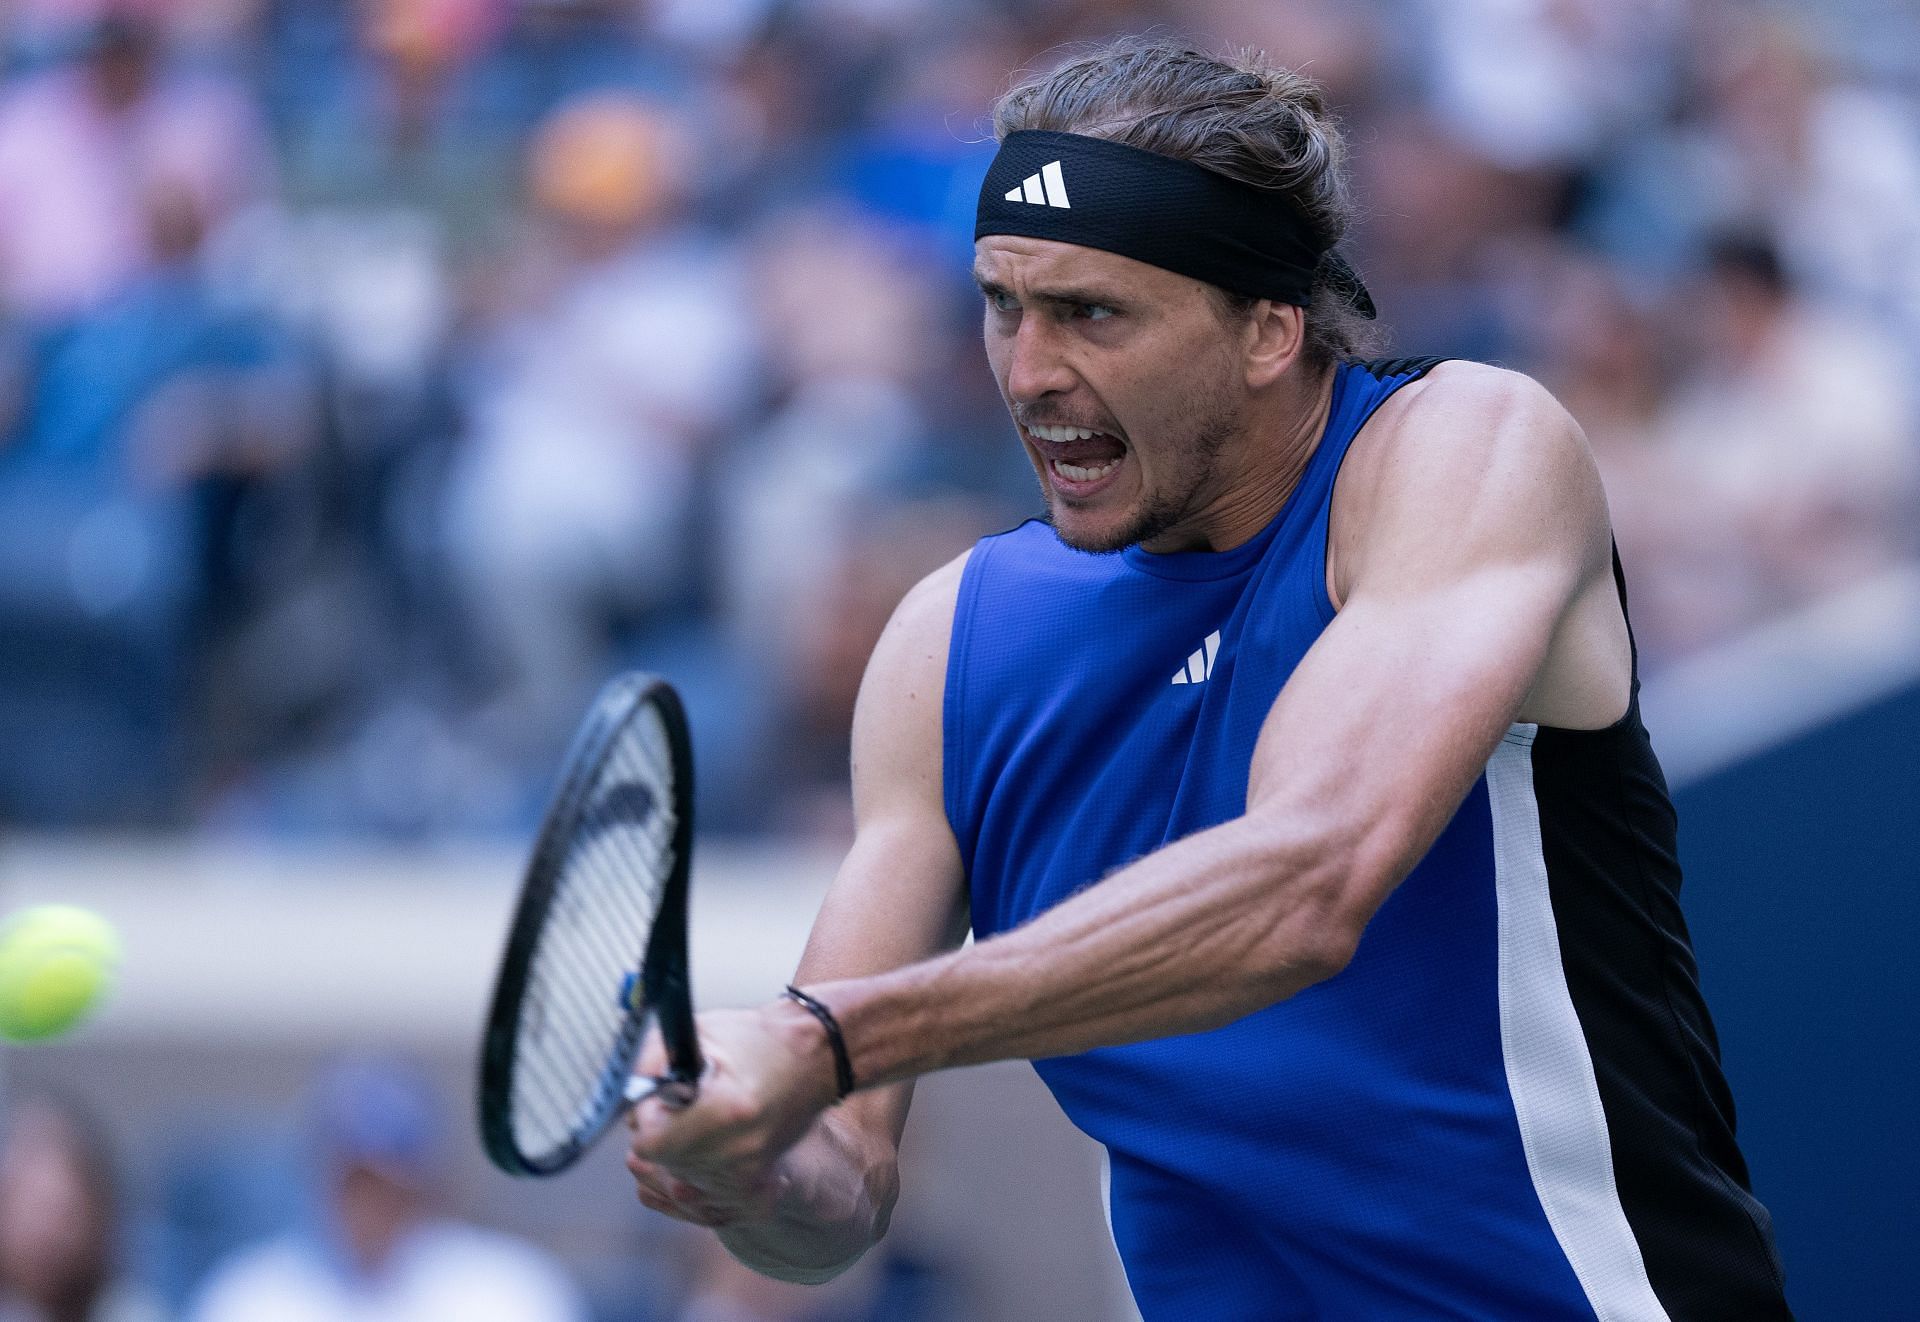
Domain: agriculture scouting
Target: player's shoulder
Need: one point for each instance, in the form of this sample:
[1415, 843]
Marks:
[1466, 433]
[1468, 454]
[898, 717]
[926, 611]
[909, 660]
[1462, 413]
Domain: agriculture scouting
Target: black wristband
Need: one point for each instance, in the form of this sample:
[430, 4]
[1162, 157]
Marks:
[842, 1063]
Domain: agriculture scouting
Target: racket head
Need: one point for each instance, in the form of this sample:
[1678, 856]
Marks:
[597, 948]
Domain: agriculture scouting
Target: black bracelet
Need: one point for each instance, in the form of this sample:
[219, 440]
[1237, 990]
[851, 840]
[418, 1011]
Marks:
[842, 1063]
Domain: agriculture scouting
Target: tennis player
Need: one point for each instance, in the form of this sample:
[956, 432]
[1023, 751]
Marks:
[1290, 774]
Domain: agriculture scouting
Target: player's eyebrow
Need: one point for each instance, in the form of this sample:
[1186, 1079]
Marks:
[1077, 295]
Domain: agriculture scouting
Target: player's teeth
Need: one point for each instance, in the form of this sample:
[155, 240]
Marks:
[1063, 433]
[1075, 473]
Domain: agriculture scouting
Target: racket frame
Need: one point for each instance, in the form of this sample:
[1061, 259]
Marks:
[665, 994]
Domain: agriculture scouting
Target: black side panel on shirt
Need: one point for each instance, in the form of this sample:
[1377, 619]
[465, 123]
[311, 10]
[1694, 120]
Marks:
[1608, 833]
[1417, 367]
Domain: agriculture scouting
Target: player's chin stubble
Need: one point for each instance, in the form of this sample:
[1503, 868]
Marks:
[1160, 511]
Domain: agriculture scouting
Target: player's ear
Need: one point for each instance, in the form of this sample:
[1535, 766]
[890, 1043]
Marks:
[1274, 339]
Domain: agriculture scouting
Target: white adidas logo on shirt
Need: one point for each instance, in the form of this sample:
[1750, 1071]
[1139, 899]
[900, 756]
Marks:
[1048, 188]
[1199, 667]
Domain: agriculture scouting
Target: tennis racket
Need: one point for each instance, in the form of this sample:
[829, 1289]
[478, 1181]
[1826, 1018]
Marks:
[598, 946]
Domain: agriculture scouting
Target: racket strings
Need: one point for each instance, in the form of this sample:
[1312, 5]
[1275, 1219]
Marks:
[581, 1025]
[571, 1035]
[577, 1036]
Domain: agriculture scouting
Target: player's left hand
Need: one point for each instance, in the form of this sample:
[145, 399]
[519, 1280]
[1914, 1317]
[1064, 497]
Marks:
[716, 1161]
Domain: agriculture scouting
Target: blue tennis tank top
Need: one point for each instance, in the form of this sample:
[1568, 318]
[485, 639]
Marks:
[1508, 1105]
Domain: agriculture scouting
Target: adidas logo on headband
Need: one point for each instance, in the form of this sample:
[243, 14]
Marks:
[1183, 217]
[1048, 188]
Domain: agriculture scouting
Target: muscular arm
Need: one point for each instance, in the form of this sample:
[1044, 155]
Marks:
[898, 897]
[1483, 526]
[1479, 546]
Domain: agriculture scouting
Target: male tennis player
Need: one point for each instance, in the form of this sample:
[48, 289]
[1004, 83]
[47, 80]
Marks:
[1291, 775]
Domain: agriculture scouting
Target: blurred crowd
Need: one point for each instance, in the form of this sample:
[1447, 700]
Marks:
[350, 1213]
[376, 377]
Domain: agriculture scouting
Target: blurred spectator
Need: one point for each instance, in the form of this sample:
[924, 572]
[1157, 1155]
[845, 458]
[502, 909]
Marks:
[851, 426]
[724, 1291]
[1603, 347]
[1794, 436]
[161, 383]
[158, 410]
[377, 105]
[1448, 234]
[1346, 45]
[59, 1210]
[890, 1284]
[1777, 141]
[380, 1251]
[127, 391]
[853, 487]
[85, 148]
[1533, 83]
[1825, 168]
[572, 511]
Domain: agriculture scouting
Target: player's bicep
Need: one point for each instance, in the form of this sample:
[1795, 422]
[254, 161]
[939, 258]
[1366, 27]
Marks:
[1477, 549]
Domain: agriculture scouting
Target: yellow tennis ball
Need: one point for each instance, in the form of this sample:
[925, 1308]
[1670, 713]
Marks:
[56, 963]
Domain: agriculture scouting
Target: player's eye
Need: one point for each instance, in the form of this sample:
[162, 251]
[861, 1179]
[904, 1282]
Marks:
[1001, 301]
[1093, 311]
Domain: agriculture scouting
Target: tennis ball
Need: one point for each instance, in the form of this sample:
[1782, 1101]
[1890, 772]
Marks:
[56, 962]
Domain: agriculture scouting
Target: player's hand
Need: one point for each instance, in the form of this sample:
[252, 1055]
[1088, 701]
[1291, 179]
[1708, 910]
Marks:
[717, 1161]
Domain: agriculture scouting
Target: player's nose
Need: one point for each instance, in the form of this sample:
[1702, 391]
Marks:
[1035, 366]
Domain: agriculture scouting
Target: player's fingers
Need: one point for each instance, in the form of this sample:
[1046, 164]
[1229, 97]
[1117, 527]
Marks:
[653, 1136]
[665, 1184]
[675, 1197]
[690, 1204]
[661, 1131]
[692, 1214]
[649, 1175]
[688, 1195]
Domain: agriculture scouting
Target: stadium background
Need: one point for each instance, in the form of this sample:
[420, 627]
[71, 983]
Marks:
[376, 377]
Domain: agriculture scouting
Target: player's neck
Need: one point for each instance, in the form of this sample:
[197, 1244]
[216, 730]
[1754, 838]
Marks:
[1258, 469]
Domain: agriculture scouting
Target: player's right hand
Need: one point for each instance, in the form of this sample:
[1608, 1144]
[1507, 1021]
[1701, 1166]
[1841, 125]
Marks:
[666, 1193]
[717, 1160]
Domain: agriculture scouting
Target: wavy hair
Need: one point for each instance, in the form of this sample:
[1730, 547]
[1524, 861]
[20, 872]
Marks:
[1237, 115]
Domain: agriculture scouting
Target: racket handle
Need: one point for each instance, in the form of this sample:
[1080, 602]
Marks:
[674, 1094]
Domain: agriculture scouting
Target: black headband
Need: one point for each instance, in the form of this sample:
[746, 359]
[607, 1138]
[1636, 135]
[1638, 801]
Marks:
[1160, 210]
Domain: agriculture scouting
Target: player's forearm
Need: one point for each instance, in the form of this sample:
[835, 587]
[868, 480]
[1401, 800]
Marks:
[834, 1206]
[1191, 937]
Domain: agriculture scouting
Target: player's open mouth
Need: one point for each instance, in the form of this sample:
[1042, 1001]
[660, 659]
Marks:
[1080, 460]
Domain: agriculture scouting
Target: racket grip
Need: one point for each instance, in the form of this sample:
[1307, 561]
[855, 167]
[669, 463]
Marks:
[674, 1094]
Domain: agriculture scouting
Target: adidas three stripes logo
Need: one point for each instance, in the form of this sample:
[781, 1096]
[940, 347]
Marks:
[1199, 667]
[1048, 188]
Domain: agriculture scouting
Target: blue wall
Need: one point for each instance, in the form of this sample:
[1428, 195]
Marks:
[1803, 893]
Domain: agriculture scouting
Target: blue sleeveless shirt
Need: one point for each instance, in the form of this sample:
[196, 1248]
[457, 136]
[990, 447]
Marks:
[1434, 1132]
